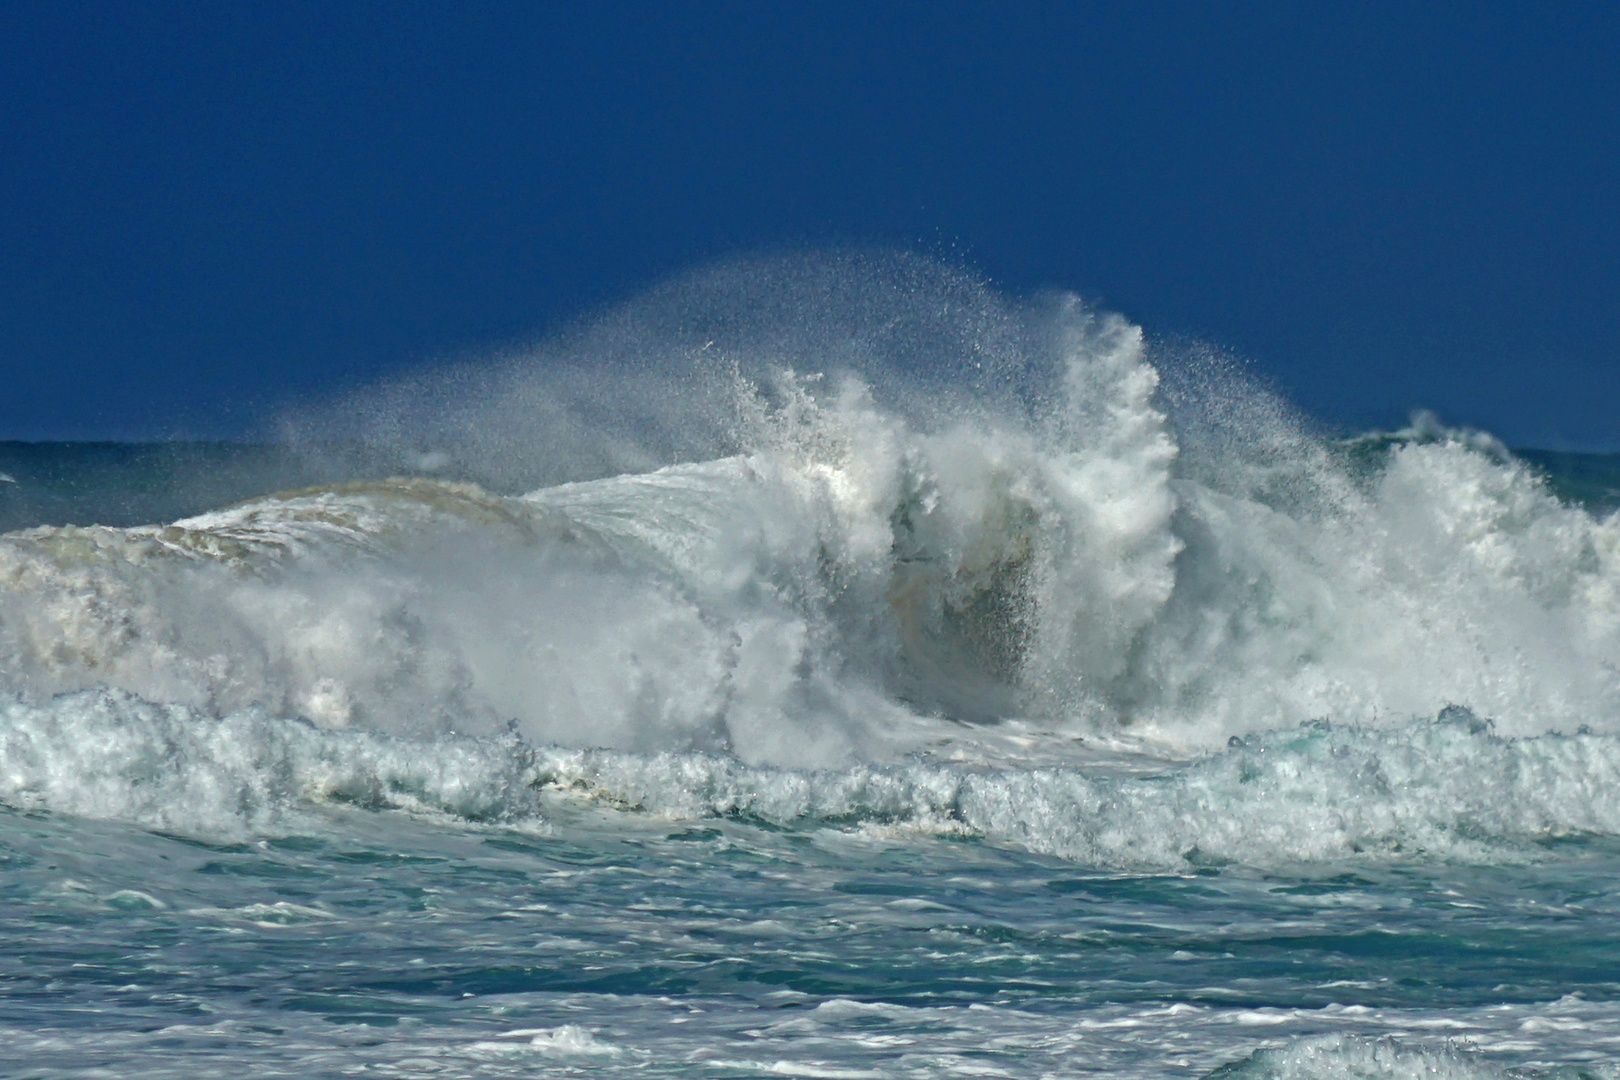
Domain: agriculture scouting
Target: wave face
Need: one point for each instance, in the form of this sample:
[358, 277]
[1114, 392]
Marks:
[892, 517]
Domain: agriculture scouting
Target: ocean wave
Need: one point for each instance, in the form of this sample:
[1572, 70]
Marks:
[870, 591]
[110, 755]
[1449, 788]
[1174, 565]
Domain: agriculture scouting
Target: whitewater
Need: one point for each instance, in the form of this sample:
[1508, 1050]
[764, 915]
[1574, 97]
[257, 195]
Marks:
[819, 667]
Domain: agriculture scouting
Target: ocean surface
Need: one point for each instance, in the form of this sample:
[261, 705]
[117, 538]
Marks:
[835, 671]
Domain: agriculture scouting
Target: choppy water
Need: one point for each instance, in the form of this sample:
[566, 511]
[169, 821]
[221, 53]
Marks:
[814, 670]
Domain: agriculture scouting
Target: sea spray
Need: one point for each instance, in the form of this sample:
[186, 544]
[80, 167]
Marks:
[862, 562]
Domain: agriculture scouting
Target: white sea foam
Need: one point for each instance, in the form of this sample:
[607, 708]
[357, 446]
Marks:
[1348, 1057]
[1448, 788]
[106, 754]
[569, 1040]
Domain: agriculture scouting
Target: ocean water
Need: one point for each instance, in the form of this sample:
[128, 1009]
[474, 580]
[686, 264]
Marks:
[820, 669]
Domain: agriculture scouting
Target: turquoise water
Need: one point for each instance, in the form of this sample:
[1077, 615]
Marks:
[1067, 707]
[386, 946]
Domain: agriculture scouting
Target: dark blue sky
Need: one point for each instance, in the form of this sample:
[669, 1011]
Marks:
[211, 208]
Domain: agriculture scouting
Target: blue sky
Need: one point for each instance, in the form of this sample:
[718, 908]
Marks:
[214, 208]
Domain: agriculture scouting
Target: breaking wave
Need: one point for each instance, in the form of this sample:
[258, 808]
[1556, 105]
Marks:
[857, 541]
[1448, 788]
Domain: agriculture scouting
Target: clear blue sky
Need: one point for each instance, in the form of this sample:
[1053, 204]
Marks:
[210, 207]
